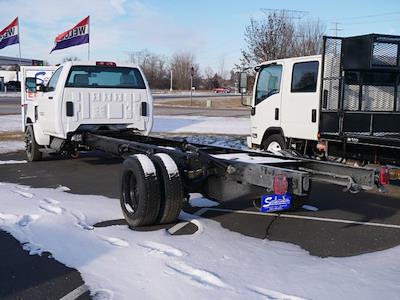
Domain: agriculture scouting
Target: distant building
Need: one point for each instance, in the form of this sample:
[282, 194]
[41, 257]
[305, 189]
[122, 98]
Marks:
[9, 66]
[14, 61]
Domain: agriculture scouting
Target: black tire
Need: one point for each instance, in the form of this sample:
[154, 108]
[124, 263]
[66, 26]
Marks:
[274, 138]
[171, 188]
[140, 191]
[31, 147]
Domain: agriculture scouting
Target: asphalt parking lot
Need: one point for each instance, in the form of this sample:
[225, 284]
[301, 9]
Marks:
[344, 224]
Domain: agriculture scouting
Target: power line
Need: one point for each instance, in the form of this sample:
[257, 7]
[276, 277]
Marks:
[366, 16]
[290, 13]
[371, 22]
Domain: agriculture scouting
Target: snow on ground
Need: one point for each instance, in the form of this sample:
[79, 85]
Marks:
[10, 94]
[11, 146]
[244, 157]
[10, 123]
[232, 127]
[236, 142]
[9, 162]
[213, 263]
[201, 124]
[197, 200]
[173, 124]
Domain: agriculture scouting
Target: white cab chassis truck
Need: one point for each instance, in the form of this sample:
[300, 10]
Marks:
[107, 106]
[82, 96]
[343, 103]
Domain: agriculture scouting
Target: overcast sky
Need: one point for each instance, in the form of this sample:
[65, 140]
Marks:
[212, 30]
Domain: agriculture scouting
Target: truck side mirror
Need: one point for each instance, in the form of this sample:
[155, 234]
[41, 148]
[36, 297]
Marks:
[243, 88]
[243, 82]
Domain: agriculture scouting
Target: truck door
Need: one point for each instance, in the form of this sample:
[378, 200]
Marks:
[267, 101]
[47, 104]
[300, 102]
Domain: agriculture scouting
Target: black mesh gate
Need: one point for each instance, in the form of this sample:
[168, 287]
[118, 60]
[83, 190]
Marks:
[360, 89]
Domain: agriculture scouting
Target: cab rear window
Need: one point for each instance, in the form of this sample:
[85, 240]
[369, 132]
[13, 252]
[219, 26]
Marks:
[105, 77]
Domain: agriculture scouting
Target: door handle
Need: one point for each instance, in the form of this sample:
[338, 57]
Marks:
[50, 97]
[313, 115]
[276, 113]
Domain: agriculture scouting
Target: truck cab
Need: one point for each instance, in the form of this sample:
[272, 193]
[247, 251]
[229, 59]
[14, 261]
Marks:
[342, 104]
[285, 102]
[84, 96]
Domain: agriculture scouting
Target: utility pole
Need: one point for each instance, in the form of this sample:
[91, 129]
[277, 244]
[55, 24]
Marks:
[191, 84]
[336, 29]
[170, 87]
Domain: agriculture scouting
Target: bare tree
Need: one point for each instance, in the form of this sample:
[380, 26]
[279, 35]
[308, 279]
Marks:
[154, 67]
[208, 82]
[181, 63]
[309, 37]
[278, 36]
[222, 71]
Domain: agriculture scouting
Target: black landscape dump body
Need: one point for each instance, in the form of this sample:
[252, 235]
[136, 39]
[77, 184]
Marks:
[360, 101]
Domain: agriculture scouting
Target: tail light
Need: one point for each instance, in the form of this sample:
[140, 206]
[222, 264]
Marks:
[280, 184]
[384, 176]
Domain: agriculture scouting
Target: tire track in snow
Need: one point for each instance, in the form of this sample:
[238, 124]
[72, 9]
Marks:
[24, 194]
[162, 249]
[203, 277]
[115, 241]
[273, 295]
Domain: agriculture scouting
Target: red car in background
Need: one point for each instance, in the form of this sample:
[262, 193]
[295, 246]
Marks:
[222, 90]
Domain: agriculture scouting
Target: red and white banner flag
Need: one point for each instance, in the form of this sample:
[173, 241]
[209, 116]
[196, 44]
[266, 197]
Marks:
[10, 34]
[77, 35]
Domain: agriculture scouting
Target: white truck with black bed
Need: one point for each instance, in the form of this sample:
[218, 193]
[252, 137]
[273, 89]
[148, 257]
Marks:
[107, 106]
[343, 103]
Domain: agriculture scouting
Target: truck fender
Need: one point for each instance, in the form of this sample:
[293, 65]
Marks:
[272, 130]
[41, 138]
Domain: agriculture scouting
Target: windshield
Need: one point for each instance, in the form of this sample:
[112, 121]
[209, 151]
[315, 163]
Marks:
[269, 82]
[105, 77]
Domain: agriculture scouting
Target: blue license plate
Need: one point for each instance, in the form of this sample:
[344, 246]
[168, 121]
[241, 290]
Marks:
[273, 202]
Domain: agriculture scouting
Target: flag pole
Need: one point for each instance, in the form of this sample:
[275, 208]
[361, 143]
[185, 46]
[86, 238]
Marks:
[89, 39]
[19, 49]
[18, 78]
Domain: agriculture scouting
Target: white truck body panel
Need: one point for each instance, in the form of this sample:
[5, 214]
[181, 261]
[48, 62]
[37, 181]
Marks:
[92, 106]
[295, 109]
[42, 74]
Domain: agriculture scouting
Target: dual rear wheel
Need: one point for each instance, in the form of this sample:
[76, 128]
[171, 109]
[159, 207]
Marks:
[151, 190]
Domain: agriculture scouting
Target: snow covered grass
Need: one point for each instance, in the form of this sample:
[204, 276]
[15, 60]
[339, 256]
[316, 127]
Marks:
[213, 263]
[10, 123]
[203, 125]
[11, 146]
[10, 94]
[213, 126]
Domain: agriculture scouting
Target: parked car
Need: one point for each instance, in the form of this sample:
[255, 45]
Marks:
[222, 90]
[13, 86]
